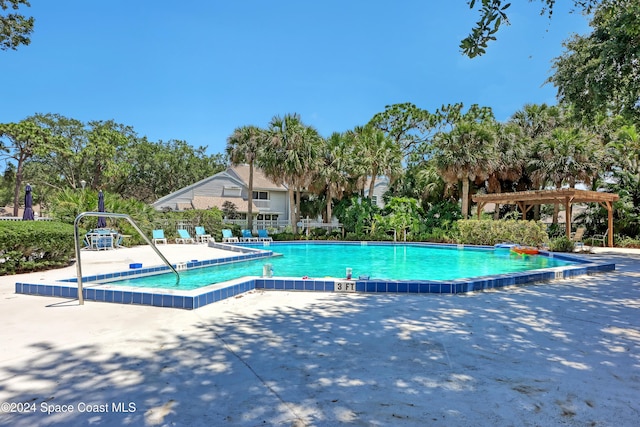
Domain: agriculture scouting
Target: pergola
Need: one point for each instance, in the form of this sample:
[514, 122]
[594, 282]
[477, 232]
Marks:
[525, 200]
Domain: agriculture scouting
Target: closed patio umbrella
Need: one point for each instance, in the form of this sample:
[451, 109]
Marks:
[102, 221]
[28, 203]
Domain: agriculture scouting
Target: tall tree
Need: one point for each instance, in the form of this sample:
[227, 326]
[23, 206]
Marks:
[65, 158]
[151, 170]
[25, 140]
[106, 143]
[334, 168]
[15, 28]
[291, 157]
[567, 156]
[467, 153]
[512, 158]
[244, 146]
[377, 154]
[600, 72]
[625, 151]
[406, 125]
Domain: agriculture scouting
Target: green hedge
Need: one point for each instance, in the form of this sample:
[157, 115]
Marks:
[490, 232]
[35, 245]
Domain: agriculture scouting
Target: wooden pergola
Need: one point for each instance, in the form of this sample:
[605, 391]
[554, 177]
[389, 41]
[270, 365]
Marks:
[525, 200]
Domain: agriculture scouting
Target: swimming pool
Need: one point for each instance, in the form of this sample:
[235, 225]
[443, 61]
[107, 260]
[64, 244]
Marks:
[373, 261]
[547, 267]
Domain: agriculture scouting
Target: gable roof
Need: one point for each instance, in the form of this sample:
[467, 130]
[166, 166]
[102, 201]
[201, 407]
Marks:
[189, 188]
[260, 180]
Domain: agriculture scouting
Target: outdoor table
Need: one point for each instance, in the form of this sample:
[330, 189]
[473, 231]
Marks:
[101, 239]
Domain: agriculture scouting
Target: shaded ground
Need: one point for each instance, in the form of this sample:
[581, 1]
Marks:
[564, 353]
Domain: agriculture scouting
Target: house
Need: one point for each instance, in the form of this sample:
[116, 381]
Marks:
[379, 188]
[270, 201]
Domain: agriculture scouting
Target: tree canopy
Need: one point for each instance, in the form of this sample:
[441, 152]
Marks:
[600, 73]
[15, 28]
[493, 13]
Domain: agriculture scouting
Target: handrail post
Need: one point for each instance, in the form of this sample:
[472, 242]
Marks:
[76, 235]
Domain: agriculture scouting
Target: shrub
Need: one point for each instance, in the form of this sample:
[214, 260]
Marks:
[35, 245]
[627, 242]
[561, 244]
[490, 232]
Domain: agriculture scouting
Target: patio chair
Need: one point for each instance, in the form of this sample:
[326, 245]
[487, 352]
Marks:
[247, 236]
[158, 237]
[202, 236]
[263, 235]
[185, 237]
[601, 237]
[228, 237]
[576, 237]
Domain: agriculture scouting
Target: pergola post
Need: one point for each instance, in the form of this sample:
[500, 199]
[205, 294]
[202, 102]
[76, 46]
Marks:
[567, 211]
[609, 207]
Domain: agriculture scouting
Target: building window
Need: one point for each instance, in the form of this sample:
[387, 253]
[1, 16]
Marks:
[260, 195]
[232, 191]
[374, 200]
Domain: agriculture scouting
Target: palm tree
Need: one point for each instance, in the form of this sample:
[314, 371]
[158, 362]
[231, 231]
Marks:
[511, 161]
[333, 173]
[569, 156]
[377, 154]
[466, 153]
[291, 157]
[244, 146]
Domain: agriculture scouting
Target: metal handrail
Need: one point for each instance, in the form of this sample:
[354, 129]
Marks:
[110, 215]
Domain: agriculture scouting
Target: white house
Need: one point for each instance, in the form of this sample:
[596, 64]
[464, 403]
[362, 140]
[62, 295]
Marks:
[270, 201]
[379, 188]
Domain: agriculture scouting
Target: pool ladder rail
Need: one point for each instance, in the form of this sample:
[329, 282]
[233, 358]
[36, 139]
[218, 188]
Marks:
[111, 215]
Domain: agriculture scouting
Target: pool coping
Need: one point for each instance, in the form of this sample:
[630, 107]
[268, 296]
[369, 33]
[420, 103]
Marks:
[98, 289]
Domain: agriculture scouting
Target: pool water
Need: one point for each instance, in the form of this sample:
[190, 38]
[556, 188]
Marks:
[375, 261]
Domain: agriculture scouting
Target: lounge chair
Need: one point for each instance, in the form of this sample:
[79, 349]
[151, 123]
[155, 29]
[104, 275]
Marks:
[202, 236]
[228, 237]
[576, 237]
[247, 236]
[263, 235]
[185, 237]
[158, 237]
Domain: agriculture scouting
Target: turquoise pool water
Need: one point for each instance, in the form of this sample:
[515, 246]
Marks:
[391, 262]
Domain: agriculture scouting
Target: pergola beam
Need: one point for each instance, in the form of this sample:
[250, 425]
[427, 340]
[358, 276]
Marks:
[567, 197]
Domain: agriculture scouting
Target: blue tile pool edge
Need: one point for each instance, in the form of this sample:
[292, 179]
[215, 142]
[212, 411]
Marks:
[210, 294]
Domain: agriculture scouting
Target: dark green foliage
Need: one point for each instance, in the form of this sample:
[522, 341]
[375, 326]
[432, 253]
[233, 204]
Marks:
[442, 215]
[356, 214]
[599, 73]
[229, 210]
[35, 245]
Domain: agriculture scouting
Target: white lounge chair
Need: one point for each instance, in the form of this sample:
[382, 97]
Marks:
[263, 236]
[202, 236]
[185, 237]
[228, 237]
[158, 237]
[247, 236]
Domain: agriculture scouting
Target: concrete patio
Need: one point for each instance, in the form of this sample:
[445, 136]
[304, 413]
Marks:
[560, 353]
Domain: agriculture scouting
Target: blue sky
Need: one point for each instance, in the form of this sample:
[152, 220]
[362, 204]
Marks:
[195, 70]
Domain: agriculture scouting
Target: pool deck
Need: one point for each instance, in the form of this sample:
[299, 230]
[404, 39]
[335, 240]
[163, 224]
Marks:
[560, 353]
